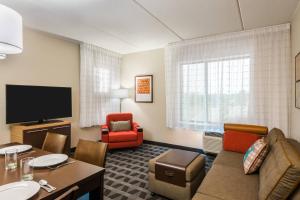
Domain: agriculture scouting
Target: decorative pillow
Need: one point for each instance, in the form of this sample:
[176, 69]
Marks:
[120, 126]
[255, 155]
[238, 141]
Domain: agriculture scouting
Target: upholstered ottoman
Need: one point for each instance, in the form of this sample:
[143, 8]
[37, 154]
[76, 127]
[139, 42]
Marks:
[169, 178]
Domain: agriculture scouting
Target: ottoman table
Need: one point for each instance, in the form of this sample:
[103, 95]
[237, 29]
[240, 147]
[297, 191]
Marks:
[176, 174]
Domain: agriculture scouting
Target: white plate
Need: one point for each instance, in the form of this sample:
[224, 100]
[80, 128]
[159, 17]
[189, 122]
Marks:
[19, 190]
[20, 148]
[48, 160]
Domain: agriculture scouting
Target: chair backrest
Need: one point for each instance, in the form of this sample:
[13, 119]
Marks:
[118, 117]
[91, 152]
[54, 143]
[71, 194]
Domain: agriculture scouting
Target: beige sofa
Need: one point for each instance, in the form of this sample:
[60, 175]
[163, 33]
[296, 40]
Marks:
[226, 179]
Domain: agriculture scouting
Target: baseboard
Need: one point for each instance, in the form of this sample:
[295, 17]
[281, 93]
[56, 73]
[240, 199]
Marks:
[174, 146]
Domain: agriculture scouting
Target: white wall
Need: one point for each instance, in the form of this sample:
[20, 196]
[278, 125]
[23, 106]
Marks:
[53, 61]
[46, 60]
[295, 40]
[152, 116]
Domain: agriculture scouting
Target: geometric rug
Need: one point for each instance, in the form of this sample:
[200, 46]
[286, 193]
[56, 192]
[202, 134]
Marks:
[126, 174]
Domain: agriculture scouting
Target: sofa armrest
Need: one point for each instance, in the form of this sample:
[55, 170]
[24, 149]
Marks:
[104, 129]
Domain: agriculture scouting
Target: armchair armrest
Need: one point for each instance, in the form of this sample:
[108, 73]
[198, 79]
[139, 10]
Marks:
[104, 129]
[140, 129]
[137, 128]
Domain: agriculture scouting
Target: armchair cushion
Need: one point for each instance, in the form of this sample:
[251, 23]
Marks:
[118, 117]
[122, 136]
[120, 126]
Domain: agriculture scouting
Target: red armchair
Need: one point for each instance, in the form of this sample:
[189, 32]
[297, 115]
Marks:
[121, 139]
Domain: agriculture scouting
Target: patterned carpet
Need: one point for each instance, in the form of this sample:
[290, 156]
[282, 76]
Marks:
[126, 176]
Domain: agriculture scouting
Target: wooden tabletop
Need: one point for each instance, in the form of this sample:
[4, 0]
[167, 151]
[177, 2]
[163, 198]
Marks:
[89, 178]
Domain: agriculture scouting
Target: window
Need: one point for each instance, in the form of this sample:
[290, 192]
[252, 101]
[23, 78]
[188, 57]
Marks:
[103, 83]
[214, 92]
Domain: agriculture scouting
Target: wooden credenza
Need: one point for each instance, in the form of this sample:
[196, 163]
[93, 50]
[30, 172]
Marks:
[35, 134]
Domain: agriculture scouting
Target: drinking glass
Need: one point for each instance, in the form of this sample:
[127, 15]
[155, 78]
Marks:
[11, 159]
[26, 169]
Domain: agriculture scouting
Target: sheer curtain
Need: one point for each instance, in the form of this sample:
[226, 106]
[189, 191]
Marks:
[241, 77]
[99, 74]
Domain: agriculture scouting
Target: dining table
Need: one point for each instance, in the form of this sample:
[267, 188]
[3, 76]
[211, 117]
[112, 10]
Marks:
[88, 178]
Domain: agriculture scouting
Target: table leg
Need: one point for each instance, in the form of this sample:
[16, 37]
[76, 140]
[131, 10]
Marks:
[97, 193]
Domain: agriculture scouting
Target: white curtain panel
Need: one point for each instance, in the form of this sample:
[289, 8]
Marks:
[242, 77]
[99, 74]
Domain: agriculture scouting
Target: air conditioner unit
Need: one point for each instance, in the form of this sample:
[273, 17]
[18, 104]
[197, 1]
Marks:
[212, 142]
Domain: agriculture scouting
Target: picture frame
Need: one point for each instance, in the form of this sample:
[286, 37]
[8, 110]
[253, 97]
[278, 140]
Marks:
[297, 81]
[144, 89]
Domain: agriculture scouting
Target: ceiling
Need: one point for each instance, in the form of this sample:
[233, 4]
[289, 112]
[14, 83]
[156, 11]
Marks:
[127, 26]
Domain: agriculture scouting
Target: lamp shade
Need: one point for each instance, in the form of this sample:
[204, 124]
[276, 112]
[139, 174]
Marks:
[120, 93]
[11, 31]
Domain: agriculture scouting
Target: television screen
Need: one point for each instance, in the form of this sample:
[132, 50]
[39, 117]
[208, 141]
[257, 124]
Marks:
[37, 103]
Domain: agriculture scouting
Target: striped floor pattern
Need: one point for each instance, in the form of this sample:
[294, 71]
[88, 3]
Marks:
[126, 176]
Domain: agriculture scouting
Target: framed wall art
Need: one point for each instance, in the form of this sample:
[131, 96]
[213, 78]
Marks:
[297, 79]
[144, 89]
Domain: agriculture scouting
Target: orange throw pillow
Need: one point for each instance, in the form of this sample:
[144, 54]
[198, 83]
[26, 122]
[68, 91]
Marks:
[238, 141]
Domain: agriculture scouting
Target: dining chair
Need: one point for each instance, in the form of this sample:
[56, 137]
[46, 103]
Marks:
[54, 143]
[71, 194]
[91, 152]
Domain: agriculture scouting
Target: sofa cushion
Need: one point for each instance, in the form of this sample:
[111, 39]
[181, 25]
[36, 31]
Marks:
[296, 194]
[122, 136]
[200, 196]
[120, 126]
[274, 135]
[295, 144]
[230, 159]
[238, 141]
[193, 169]
[280, 172]
[229, 183]
[255, 155]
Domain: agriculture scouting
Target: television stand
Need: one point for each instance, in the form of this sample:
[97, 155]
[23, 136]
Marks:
[40, 122]
[34, 134]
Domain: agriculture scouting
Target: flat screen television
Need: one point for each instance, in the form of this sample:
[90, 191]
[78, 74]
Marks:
[37, 103]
